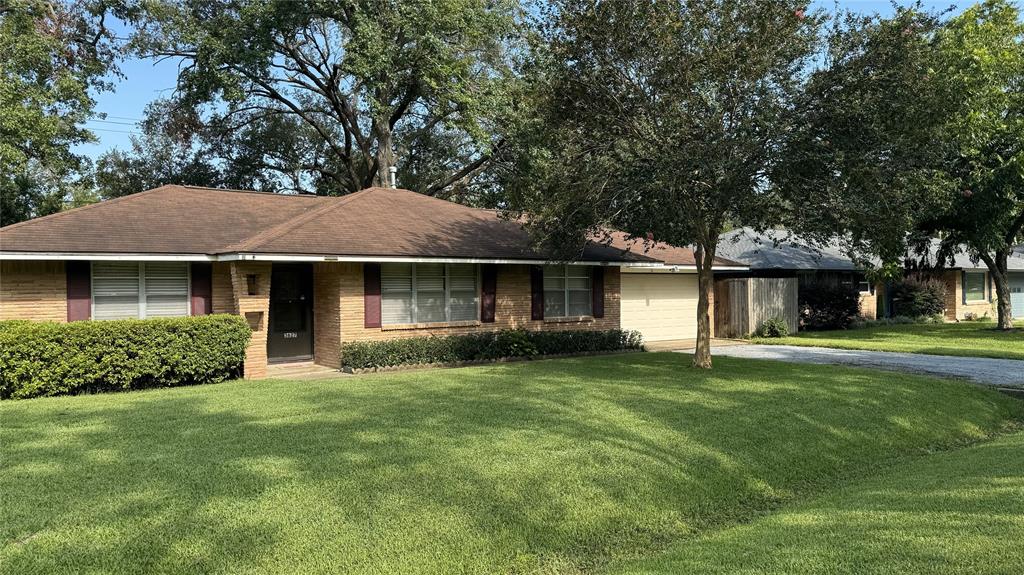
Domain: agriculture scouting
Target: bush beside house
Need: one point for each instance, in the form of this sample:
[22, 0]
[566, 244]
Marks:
[918, 298]
[47, 358]
[483, 346]
[826, 305]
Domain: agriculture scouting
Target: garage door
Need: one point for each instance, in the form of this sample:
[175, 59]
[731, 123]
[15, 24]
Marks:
[660, 306]
[1017, 294]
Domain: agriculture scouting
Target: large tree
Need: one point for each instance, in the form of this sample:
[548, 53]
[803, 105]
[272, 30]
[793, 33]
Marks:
[363, 85]
[661, 119]
[981, 62]
[914, 129]
[53, 59]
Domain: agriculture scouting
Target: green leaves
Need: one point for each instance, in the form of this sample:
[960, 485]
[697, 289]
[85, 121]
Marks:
[45, 358]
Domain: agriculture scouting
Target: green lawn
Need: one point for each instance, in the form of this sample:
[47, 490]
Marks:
[554, 466]
[972, 339]
[953, 512]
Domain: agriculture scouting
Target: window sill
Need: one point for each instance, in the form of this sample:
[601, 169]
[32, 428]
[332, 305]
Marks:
[570, 319]
[437, 325]
[977, 302]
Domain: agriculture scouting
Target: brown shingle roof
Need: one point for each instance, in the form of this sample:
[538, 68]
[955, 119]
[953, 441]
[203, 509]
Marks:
[671, 255]
[373, 222]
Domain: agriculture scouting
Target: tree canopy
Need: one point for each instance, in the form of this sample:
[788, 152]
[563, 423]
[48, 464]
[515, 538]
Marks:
[357, 86]
[661, 119]
[53, 58]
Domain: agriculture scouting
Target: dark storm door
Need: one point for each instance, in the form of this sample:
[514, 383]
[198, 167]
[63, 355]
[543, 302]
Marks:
[290, 335]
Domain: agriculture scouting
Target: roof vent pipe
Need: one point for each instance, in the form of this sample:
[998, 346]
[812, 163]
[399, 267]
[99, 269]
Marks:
[393, 177]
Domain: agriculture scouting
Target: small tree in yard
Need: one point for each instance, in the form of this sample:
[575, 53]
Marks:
[661, 119]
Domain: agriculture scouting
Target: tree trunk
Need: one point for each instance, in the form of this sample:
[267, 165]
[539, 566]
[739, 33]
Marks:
[997, 269]
[704, 256]
[385, 155]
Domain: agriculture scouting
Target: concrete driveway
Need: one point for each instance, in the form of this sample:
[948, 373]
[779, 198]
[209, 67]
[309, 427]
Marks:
[999, 372]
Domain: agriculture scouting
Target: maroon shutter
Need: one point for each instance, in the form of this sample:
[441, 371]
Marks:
[597, 291]
[488, 291]
[371, 295]
[536, 292]
[202, 288]
[79, 290]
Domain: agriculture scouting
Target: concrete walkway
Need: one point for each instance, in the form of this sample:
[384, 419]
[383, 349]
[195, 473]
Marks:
[999, 372]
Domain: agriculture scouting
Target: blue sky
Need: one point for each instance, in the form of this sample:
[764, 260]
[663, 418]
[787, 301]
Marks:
[145, 81]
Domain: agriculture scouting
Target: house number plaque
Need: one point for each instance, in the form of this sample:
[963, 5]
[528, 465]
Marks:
[290, 335]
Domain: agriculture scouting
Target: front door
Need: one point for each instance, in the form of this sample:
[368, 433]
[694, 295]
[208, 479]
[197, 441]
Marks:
[290, 335]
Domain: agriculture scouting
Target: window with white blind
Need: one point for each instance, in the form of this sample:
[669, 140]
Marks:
[567, 291]
[428, 293]
[123, 290]
[974, 286]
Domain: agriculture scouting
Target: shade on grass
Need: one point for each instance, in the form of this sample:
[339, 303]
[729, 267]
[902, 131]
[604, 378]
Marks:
[551, 466]
[969, 339]
[950, 513]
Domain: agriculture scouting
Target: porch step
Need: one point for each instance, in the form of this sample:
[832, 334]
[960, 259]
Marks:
[301, 370]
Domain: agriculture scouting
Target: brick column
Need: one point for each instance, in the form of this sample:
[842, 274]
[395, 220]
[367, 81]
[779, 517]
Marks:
[255, 308]
[327, 293]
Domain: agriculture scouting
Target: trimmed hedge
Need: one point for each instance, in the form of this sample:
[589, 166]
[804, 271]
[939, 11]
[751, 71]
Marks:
[46, 358]
[483, 346]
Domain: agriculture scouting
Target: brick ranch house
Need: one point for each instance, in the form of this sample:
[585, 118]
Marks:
[311, 272]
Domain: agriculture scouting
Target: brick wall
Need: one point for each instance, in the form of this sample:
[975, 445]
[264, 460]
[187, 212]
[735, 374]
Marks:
[327, 314]
[222, 296]
[35, 290]
[869, 302]
[343, 283]
[254, 308]
[956, 309]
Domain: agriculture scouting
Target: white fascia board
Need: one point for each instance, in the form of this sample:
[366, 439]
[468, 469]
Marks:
[107, 257]
[679, 269]
[400, 259]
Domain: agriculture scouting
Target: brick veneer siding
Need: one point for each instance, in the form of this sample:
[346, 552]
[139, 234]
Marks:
[35, 290]
[956, 309]
[339, 288]
[327, 282]
[255, 308]
[869, 302]
[223, 296]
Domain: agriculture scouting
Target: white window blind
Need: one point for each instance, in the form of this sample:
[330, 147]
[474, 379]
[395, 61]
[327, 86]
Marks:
[123, 290]
[115, 290]
[166, 287]
[429, 293]
[567, 291]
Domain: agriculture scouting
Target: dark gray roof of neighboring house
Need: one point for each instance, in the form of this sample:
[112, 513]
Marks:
[781, 250]
[373, 222]
[962, 261]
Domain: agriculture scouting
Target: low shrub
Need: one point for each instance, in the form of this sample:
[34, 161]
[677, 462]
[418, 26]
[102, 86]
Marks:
[897, 320]
[825, 305]
[913, 297]
[483, 346]
[773, 327]
[46, 358]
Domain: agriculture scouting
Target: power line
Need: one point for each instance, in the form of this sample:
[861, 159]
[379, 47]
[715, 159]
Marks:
[114, 131]
[123, 118]
[118, 123]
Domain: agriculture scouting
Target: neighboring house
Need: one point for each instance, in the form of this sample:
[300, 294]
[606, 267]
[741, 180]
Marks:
[309, 272]
[780, 254]
[970, 290]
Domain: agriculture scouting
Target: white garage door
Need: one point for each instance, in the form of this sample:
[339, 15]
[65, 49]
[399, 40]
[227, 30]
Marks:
[660, 306]
[1017, 295]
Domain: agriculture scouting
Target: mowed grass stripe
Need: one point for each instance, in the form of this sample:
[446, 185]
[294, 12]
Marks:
[551, 466]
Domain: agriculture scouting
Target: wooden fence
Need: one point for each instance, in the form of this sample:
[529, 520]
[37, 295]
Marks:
[743, 304]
